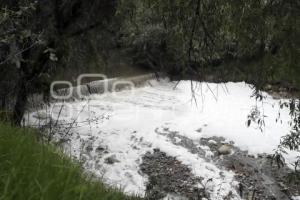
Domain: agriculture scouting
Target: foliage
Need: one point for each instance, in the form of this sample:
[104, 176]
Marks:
[291, 141]
[192, 37]
[30, 170]
[35, 41]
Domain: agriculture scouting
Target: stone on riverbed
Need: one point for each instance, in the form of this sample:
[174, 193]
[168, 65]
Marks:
[111, 160]
[225, 149]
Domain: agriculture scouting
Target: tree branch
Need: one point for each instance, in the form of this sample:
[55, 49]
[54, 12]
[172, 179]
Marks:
[84, 30]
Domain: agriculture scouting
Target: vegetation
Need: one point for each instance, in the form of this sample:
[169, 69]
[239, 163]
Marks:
[35, 39]
[31, 170]
[256, 41]
[231, 40]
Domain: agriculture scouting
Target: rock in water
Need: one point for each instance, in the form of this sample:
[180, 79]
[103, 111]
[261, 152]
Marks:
[268, 87]
[225, 149]
[111, 160]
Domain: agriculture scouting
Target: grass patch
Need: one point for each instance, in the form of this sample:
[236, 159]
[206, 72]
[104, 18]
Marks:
[31, 170]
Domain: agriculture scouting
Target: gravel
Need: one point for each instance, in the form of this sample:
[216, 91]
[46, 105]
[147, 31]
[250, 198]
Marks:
[169, 176]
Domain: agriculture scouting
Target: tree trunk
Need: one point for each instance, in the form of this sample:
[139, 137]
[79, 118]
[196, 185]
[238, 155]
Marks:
[3, 102]
[20, 105]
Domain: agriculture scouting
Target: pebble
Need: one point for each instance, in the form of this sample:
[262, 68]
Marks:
[225, 149]
[111, 160]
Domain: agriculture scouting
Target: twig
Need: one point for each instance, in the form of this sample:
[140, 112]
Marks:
[19, 53]
[176, 85]
[74, 121]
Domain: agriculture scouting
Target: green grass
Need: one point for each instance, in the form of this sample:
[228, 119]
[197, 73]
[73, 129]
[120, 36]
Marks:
[30, 170]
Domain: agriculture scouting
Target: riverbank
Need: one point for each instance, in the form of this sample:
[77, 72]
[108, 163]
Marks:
[121, 136]
[32, 170]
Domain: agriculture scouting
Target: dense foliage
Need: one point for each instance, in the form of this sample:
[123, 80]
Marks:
[36, 39]
[257, 40]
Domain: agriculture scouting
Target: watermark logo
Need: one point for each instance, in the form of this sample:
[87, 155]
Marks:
[68, 90]
[114, 93]
[102, 85]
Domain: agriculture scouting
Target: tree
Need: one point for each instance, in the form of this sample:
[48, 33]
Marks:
[194, 38]
[35, 32]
